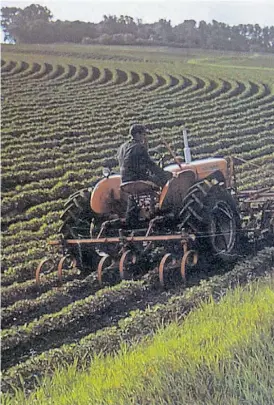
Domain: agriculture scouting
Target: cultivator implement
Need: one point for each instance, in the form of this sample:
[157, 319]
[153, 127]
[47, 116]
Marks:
[172, 252]
[198, 212]
[257, 212]
[49, 264]
[124, 256]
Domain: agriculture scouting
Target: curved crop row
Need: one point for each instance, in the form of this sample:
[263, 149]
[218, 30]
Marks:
[74, 321]
[26, 310]
[139, 323]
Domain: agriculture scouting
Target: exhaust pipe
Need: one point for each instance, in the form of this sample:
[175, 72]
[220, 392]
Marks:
[187, 153]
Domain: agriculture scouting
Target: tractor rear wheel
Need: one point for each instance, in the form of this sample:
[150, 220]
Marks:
[210, 212]
[76, 221]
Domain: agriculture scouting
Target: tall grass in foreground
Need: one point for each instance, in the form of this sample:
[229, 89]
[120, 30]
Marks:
[223, 353]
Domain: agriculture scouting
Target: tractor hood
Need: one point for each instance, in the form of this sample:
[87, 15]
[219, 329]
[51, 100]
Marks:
[202, 167]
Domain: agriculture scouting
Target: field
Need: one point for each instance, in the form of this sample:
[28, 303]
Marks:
[221, 353]
[65, 111]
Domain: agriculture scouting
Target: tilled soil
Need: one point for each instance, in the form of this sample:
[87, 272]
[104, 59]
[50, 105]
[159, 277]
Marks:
[101, 313]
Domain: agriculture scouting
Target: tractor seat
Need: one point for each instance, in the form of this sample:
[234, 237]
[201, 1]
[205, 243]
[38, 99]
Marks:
[139, 187]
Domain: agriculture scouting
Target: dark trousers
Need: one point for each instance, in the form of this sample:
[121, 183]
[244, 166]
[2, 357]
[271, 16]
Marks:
[132, 212]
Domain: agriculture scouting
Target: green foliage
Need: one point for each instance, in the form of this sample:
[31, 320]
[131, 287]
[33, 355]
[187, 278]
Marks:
[8, 14]
[34, 24]
[222, 352]
[132, 328]
[24, 25]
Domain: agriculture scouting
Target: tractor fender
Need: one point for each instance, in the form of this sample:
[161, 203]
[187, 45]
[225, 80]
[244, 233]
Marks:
[104, 193]
[175, 189]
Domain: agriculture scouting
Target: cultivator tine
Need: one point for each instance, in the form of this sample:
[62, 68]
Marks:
[166, 257]
[128, 257]
[101, 266]
[39, 268]
[167, 261]
[61, 263]
[185, 261]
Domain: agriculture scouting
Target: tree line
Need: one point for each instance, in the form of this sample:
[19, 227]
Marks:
[34, 24]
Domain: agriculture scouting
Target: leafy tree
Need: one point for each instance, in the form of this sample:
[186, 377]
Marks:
[163, 30]
[36, 12]
[127, 25]
[109, 25]
[8, 14]
[187, 34]
[22, 24]
[34, 24]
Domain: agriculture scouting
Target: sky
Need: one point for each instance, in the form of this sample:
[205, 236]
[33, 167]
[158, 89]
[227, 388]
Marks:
[230, 12]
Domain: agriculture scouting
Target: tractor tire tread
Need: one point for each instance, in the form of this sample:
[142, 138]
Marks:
[195, 214]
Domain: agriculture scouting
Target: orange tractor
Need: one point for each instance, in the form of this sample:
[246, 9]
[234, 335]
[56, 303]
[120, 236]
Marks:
[198, 213]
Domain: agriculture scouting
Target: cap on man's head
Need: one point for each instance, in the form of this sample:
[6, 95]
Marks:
[136, 129]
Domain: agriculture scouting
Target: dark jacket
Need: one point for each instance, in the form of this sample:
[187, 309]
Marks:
[135, 164]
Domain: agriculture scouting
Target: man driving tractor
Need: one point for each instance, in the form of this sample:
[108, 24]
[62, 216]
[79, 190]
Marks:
[136, 164]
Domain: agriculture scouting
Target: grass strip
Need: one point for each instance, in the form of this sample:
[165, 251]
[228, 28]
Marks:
[137, 325]
[214, 338]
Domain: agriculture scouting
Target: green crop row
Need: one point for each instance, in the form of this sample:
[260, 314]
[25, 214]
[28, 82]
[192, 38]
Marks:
[18, 291]
[233, 127]
[241, 130]
[187, 100]
[8, 66]
[138, 325]
[25, 200]
[215, 111]
[24, 271]
[18, 257]
[33, 212]
[25, 310]
[71, 321]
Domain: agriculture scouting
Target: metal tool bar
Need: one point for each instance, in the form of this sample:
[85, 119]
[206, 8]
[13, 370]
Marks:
[256, 190]
[255, 193]
[125, 239]
[257, 201]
